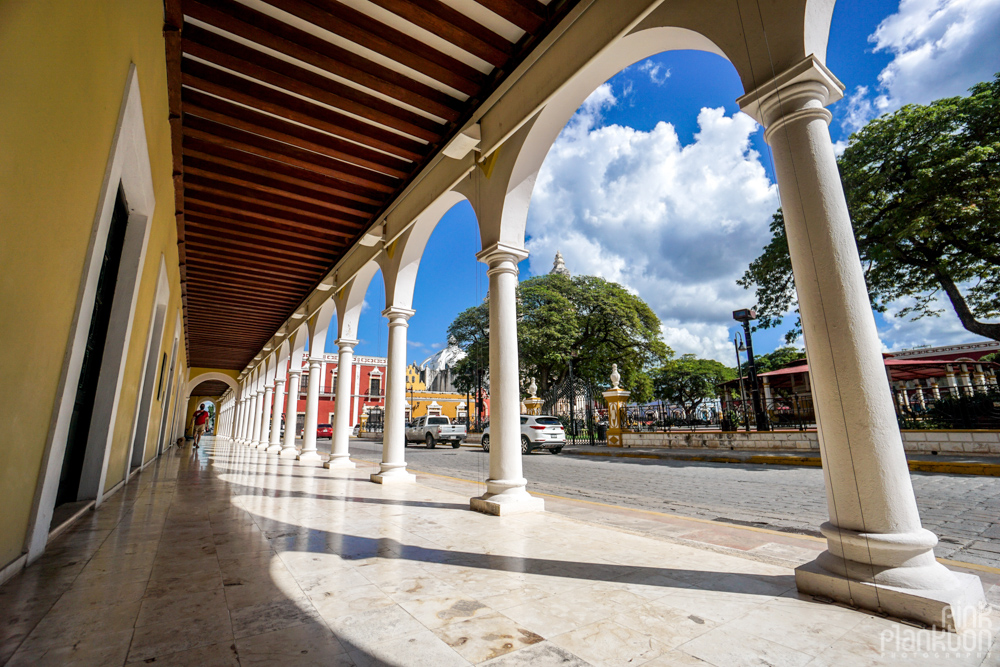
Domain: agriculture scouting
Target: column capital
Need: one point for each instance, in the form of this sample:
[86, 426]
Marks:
[269, 385]
[397, 315]
[294, 371]
[278, 381]
[800, 92]
[316, 360]
[346, 344]
[502, 258]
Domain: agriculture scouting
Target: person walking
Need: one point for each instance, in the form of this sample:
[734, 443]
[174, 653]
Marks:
[200, 422]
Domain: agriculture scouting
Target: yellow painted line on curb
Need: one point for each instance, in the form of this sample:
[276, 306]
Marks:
[811, 538]
[943, 467]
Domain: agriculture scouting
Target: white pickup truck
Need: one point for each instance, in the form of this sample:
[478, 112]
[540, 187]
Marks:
[432, 430]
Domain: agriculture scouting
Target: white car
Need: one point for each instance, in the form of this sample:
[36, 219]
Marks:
[537, 432]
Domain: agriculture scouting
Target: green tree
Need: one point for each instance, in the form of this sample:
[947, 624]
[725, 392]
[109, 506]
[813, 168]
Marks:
[923, 189]
[584, 318]
[690, 381]
[780, 358]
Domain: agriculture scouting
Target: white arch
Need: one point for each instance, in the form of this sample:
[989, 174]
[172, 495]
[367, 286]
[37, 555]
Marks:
[350, 299]
[212, 375]
[401, 259]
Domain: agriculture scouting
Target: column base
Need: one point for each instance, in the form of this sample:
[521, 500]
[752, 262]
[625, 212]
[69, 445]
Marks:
[289, 453]
[273, 449]
[505, 497]
[393, 473]
[340, 463]
[954, 609]
[309, 457]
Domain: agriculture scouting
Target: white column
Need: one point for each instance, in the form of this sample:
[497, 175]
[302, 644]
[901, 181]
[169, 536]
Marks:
[274, 442]
[340, 456]
[878, 556]
[245, 425]
[393, 467]
[258, 414]
[265, 415]
[291, 415]
[237, 433]
[308, 452]
[505, 488]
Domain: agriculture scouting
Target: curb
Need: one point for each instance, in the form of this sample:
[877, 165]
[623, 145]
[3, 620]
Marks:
[942, 467]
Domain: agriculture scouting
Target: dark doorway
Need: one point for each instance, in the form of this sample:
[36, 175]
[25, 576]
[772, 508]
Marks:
[90, 371]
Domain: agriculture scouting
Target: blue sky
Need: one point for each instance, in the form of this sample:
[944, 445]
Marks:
[676, 114]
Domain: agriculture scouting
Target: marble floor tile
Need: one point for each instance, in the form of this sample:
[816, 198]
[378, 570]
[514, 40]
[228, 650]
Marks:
[375, 626]
[348, 602]
[609, 643]
[301, 645]
[420, 649]
[544, 654]
[236, 557]
[212, 655]
[166, 609]
[486, 637]
[180, 634]
[109, 649]
[727, 647]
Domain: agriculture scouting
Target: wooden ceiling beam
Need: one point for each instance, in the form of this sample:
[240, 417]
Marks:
[528, 15]
[232, 55]
[234, 232]
[243, 258]
[272, 170]
[207, 282]
[195, 166]
[453, 26]
[287, 220]
[362, 29]
[238, 221]
[212, 236]
[363, 166]
[248, 142]
[214, 265]
[266, 265]
[320, 214]
[284, 38]
[238, 89]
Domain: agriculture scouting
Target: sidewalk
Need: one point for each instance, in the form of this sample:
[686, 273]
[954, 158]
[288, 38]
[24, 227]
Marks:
[988, 466]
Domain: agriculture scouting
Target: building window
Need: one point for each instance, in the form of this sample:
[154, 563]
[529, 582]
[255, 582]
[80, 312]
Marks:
[375, 389]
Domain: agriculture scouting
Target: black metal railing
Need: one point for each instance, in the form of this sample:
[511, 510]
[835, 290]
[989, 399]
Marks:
[783, 412]
[974, 406]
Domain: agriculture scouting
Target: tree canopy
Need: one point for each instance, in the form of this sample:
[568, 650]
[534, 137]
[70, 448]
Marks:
[781, 357]
[689, 381]
[591, 320]
[923, 189]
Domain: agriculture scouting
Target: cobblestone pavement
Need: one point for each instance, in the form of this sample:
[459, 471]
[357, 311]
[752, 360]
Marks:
[964, 511]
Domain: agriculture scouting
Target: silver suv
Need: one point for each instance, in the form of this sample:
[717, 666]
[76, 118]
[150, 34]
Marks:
[537, 432]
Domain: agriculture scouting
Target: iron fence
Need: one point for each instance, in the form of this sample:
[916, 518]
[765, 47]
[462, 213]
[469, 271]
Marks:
[580, 407]
[965, 407]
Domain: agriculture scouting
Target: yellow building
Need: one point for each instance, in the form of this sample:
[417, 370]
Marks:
[420, 402]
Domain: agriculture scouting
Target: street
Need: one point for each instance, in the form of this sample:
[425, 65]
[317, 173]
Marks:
[964, 511]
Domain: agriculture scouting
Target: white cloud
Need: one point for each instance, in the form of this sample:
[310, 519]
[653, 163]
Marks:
[676, 224]
[658, 74]
[902, 332]
[940, 48]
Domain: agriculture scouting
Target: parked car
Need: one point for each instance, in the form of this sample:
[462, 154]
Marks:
[432, 430]
[537, 432]
[322, 431]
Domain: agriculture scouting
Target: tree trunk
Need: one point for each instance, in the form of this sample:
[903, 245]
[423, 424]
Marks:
[965, 316]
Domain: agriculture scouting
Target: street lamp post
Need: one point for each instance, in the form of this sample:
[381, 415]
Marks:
[745, 315]
[740, 347]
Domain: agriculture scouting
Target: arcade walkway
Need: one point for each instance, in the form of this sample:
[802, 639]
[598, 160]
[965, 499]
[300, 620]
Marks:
[226, 556]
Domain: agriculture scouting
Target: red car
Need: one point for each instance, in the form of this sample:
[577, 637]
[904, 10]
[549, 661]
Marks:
[322, 431]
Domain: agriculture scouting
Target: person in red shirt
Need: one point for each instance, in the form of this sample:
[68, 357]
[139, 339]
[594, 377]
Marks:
[200, 422]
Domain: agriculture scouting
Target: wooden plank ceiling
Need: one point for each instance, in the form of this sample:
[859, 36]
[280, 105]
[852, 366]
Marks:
[296, 122]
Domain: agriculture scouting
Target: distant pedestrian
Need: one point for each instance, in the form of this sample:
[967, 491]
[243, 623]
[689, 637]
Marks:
[200, 422]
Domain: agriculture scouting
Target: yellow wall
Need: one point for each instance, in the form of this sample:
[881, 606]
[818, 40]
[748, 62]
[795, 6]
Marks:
[63, 67]
[450, 403]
